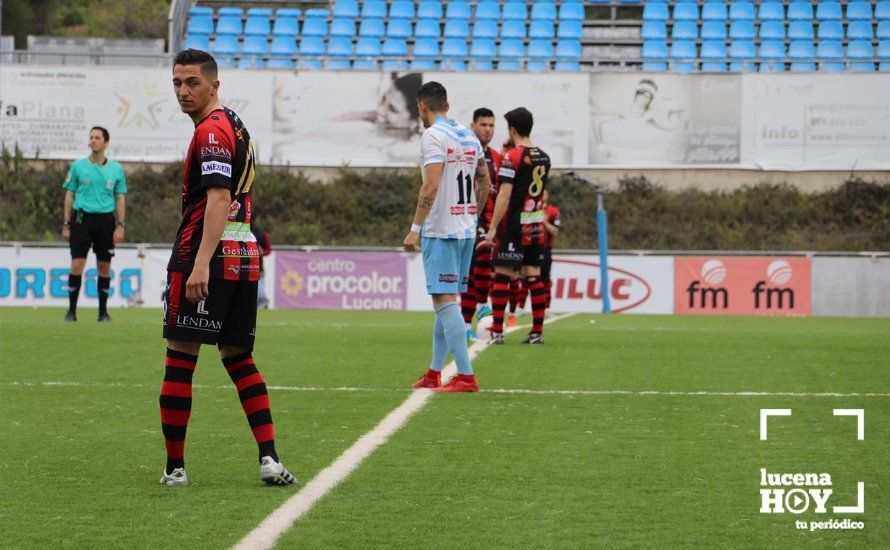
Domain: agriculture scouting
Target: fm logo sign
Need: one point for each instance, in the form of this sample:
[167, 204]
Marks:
[796, 493]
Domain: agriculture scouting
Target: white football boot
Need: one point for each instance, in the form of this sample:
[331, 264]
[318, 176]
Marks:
[274, 473]
[177, 478]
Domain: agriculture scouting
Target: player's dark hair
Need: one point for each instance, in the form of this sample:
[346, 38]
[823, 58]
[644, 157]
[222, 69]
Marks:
[198, 57]
[105, 133]
[521, 120]
[433, 96]
[482, 112]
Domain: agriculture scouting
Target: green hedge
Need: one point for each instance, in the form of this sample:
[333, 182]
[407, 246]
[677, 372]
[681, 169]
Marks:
[375, 209]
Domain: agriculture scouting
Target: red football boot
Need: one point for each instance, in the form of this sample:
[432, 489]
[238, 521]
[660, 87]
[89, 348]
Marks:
[461, 383]
[432, 380]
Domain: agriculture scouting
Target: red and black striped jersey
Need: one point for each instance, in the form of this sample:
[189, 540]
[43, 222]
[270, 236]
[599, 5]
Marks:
[551, 214]
[493, 159]
[526, 168]
[220, 155]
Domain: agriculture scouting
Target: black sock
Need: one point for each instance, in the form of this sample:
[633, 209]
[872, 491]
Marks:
[73, 291]
[268, 449]
[104, 283]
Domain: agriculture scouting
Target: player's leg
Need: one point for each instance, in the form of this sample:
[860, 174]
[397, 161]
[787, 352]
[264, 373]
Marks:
[103, 243]
[236, 350]
[546, 266]
[468, 305]
[448, 313]
[532, 272]
[506, 259]
[79, 245]
[482, 273]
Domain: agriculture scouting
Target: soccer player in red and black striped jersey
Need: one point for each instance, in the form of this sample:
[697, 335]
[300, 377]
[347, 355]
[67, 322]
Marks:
[480, 272]
[518, 225]
[552, 226]
[211, 295]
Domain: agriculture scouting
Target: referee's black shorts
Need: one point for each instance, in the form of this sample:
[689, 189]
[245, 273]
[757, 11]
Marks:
[96, 230]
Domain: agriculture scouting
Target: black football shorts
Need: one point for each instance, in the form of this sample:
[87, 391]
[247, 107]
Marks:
[92, 230]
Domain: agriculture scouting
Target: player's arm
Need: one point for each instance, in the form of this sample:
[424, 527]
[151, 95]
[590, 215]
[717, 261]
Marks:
[500, 209]
[69, 213]
[216, 215]
[551, 228]
[483, 186]
[432, 176]
[120, 213]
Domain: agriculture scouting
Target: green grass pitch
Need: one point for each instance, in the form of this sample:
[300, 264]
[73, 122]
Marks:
[82, 448]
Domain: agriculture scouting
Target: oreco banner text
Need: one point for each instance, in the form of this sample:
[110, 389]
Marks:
[333, 280]
[742, 285]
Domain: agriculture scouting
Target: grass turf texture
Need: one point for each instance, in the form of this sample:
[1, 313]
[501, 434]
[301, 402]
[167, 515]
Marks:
[80, 462]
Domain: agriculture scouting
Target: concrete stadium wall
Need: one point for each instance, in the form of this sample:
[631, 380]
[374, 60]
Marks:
[851, 287]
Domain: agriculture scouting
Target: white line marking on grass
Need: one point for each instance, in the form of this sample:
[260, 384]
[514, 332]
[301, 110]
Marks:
[282, 519]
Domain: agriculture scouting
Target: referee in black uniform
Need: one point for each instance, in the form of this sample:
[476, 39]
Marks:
[95, 209]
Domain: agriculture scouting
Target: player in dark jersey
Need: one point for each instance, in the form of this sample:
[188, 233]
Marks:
[480, 272]
[518, 225]
[552, 226]
[211, 295]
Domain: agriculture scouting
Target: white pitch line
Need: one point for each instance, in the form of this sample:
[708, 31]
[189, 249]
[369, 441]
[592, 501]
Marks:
[282, 519]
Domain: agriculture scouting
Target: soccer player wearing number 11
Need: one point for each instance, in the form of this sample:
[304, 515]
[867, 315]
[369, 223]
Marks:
[446, 218]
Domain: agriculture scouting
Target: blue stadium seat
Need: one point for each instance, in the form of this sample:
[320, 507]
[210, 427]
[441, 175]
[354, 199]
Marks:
[568, 50]
[372, 28]
[801, 50]
[283, 46]
[197, 42]
[318, 13]
[488, 10]
[742, 30]
[429, 9]
[423, 65]
[535, 66]
[200, 24]
[393, 65]
[511, 50]
[684, 30]
[883, 55]
[543, 11]
[859, 30]
[574, 29]
[683, 54]
[225, 45]
[311, 46]
[831, 30]
[859, 11]
[541, 29]
[286, 26]
[401, 9]
[200, 10]
[343, 27]
[224, 61]
[310, 64]
[651, 30]
[279, 63]
[483, 50]
[714, 11]
[713, 30]
[288, 12]
[771, 11]
[454, 53]
[457, 28]
[655, 11]
[515, 11]
[485, 29]
[339, 64]
[373, 9]
[882, 10]
[772, 55]
[654, 67]
[862, 54]
[772, 30]
[742, 49]
[800, 11]
[251, 63]
[257, 26]
[513, 29]
[800, 30]
[315, 27]
[829, 11]
[399, 28]
[426, 48]
[427, 28]
[803, 67]
[255, 45]
[233, 11]
[571, 11]
[741, 11]
[394, 51]
[339, 47]
[830, 53]
[458, 10]
[229, 24]
[368, 48]
[883, 30]
[714, 54]
[540, 50]
[654, 49]
[365, 65]
[685, 11]
[567, 66]
[512, 65]
[345, 8]
[259, 12]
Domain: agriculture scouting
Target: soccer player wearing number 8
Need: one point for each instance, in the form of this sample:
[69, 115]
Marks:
[518, 224]
[446, 219]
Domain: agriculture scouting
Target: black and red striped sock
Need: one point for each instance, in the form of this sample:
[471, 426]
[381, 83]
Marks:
[482, 275]
[539, 302]
[468, 301]
[499, 298]
[523, 293]
[549, 286]
[515, 289]
[176, 404]
[254, 400]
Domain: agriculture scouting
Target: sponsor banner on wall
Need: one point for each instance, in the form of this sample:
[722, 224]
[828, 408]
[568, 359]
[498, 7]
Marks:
[50, 110]
[340, 280]
[742, 285]
[636, 284]
[39, 277]
[817, 121]
[664, 119]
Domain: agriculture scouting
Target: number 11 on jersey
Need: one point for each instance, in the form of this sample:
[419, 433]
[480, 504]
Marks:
[465, 197]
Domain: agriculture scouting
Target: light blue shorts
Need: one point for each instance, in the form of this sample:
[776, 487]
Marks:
[446, 263]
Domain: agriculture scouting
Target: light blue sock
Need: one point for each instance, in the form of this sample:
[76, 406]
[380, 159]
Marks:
[440, 346]
[455, 334]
